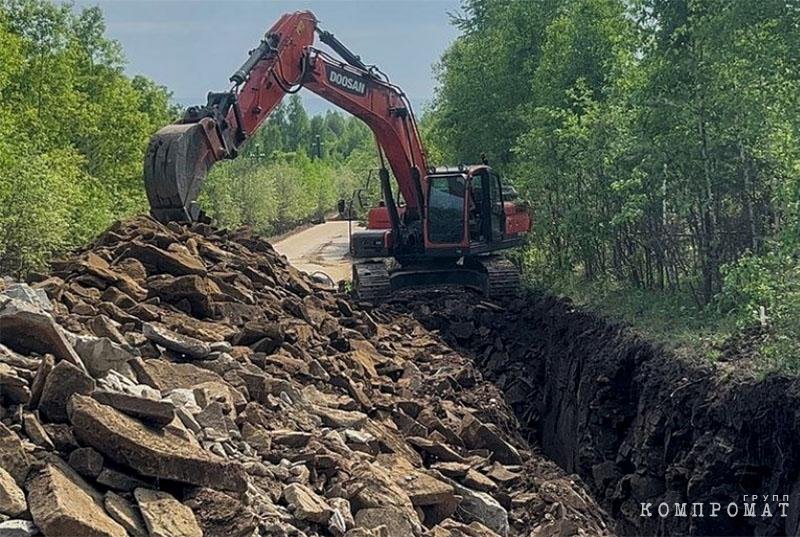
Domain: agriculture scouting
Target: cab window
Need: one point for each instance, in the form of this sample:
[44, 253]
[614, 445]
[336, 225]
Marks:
[446, 209]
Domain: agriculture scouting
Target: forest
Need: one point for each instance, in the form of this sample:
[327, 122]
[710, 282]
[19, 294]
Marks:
[656, 141]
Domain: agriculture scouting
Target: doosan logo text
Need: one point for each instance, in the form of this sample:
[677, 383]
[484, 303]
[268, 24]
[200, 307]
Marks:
[345, 82]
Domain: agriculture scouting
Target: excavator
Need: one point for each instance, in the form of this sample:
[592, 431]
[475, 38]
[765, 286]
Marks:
[443, 226]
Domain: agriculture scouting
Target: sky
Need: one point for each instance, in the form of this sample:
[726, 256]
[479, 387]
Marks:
[193, 46]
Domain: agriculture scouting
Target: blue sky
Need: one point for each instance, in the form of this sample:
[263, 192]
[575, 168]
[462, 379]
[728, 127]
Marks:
[192, 46]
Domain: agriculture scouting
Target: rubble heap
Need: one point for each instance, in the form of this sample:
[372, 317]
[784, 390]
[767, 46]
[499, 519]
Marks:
[185, 381]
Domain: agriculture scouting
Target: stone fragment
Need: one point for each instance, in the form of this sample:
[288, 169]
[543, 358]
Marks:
[158, 413]
[220, 515]
[165, 376]
[306, 504]
[176, 263]
[19, 321]
[476, 480]
[13, 456]
[12, 499]
[451, 528]
[222, 392]
[153, 453]
[117, 480]
[36, 432]
[25, 293]
[477, 435]
[63, 505]
[291, 439]
[165, 516]
[46, 365]
[189, 346]
[195, 290]
[64, 381]
[125, 514]
[482, 508]
[13, 388]
[440, 450]
[394, 520]
[101, 355]
[87, 462]
[18, 528]
[421, 488]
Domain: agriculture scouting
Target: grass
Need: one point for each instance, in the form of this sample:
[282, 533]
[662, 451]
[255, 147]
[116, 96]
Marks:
[671, 319]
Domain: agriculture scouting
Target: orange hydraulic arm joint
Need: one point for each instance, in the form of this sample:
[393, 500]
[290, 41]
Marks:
[180, 155]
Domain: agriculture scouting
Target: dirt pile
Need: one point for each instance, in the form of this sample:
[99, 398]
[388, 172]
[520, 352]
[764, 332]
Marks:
[185, 381]
[636, 423]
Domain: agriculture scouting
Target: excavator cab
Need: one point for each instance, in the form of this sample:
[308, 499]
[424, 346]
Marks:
[467, 213]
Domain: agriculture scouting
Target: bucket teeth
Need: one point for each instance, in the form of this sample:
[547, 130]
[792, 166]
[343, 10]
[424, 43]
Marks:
[175, 167]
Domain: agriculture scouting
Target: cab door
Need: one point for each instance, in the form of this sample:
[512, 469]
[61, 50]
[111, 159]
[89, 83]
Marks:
[491, 200]
[497, 210]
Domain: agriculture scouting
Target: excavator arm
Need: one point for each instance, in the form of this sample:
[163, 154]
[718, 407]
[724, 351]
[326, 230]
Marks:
[179, 155]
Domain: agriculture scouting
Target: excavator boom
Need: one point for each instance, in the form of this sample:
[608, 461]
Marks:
[180, 155]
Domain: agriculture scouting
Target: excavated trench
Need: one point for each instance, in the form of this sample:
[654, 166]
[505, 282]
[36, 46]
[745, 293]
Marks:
[639, 425]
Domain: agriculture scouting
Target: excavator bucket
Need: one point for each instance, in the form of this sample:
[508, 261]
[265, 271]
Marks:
[175, 167]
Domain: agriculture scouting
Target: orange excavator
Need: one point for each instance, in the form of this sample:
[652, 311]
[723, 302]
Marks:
[445, 226]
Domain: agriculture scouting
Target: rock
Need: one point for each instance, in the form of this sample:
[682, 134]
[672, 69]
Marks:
[451, 469]
[101, 355]
[269, 336]
[160, 454]
[125, 514]
[222, 392]
[13, 457]
[61, 435]
[176, 263]
[87, 462]
[117, 480]
[12, 499]
[477, 435]
[441, 451]
[502, 475]
[165, 376]
[18, 528]
[421, 488]
[18, 320]
[22, 291]
[46, 365]
[13, 389]
[195, 290]
[64, 381]
[477, 481]
[341, 506]
[189, 346]
[36, 432]
[165, 516]
[306, 504]
[340, 419]
[394, 520]
[482, 508]
[158, 413]
[63, 505]
[451, 528]
[220, 515]
[289, 439]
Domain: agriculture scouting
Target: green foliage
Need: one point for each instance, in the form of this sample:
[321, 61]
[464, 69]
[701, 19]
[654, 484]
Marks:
[657, 141]
[73, 130]
[279, 182]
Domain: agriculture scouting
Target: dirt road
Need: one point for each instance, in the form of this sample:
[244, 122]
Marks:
[323, 247]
